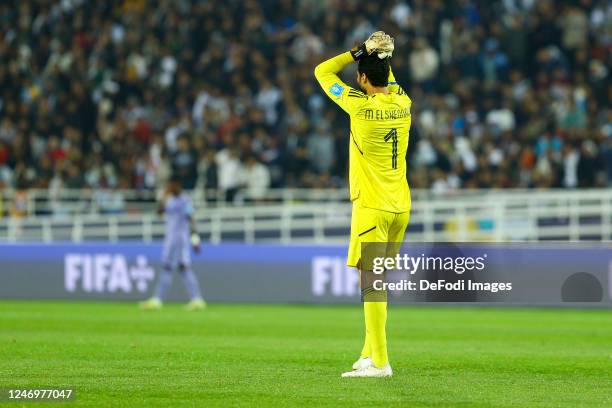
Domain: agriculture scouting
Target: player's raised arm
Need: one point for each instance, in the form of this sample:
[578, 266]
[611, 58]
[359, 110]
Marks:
[350, 99]
[393, 85]
[327, 74]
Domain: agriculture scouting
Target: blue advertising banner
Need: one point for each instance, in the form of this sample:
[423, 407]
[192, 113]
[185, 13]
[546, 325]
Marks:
[522, 274]
[228, 272]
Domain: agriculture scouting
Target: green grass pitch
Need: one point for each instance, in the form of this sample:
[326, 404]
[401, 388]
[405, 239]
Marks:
[264, 355]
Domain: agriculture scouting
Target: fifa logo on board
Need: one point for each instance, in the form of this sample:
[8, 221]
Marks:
[331, 276]
[106, 273]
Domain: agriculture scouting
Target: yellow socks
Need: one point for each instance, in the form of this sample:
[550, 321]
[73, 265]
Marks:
[366, 351]
[376, 336]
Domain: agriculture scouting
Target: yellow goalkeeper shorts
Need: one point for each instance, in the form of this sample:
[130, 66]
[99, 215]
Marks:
[371, 225]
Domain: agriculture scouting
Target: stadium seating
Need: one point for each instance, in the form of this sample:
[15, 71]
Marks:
[507, 94]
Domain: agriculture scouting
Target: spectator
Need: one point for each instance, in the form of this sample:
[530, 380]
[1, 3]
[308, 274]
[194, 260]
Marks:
[209, 171]
[321, 149]
[571, 158]
[575, 26]
[424, 62]
[268, 99]
[230, 172]
[91, 95]
[184, 163]
[256, 178]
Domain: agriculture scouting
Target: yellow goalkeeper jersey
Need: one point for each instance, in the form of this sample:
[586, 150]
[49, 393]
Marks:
[380, 124]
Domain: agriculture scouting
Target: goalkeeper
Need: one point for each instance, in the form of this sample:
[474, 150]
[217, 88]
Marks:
[379, 125]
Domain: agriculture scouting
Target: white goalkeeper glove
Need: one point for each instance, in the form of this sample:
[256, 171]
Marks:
[380, 43]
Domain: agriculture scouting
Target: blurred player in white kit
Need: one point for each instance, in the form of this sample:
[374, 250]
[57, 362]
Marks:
[180, 237]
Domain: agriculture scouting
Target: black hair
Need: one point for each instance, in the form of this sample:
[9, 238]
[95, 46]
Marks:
[376, 69]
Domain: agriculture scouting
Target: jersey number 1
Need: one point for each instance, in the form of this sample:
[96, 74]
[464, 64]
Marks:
[393, 136]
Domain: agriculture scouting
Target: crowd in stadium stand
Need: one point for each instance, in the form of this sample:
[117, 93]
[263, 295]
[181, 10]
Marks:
[120, 94]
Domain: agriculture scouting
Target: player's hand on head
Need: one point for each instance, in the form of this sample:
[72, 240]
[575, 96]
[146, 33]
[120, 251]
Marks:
[380, 43]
